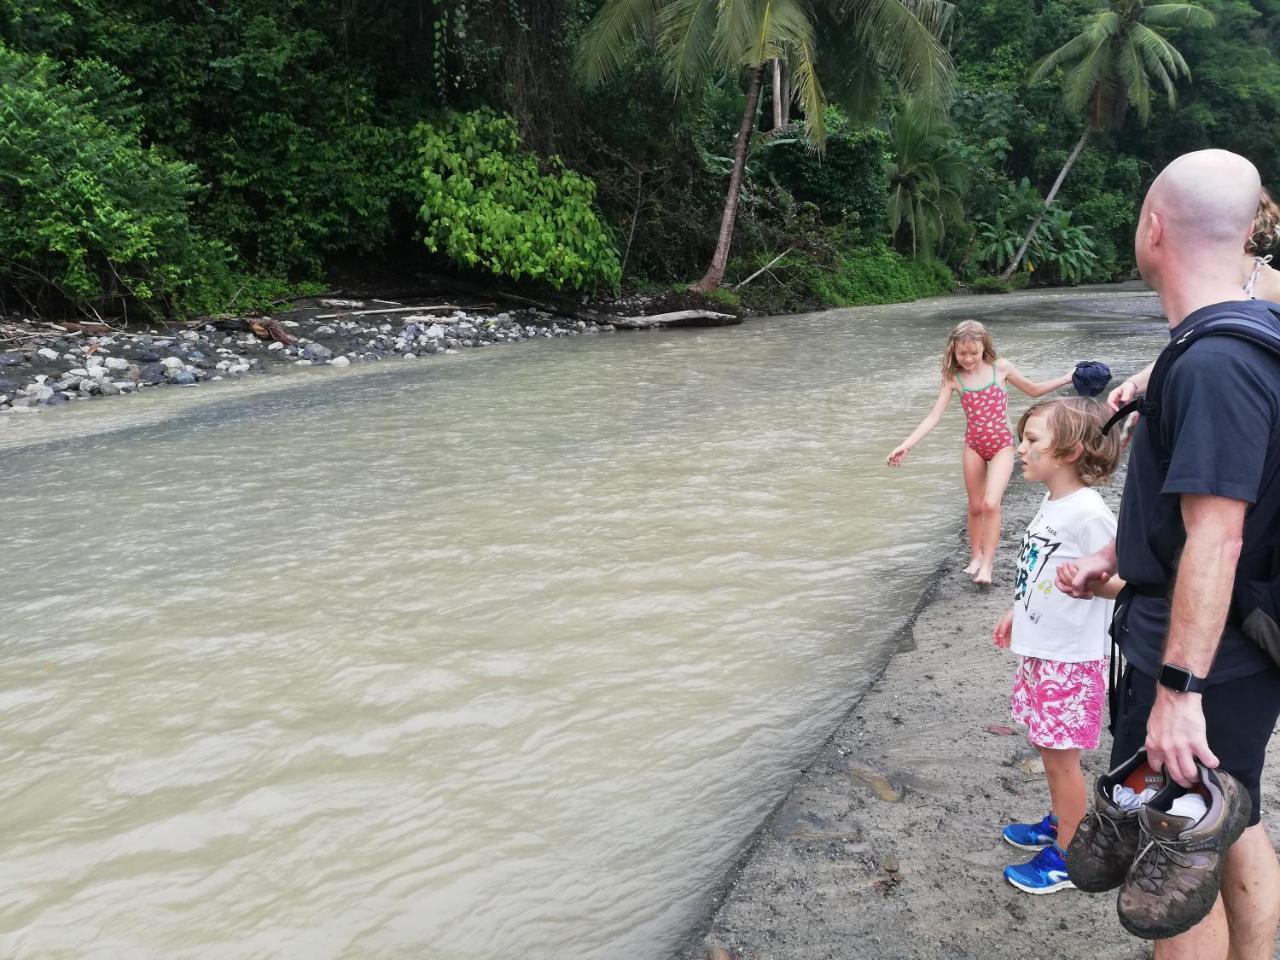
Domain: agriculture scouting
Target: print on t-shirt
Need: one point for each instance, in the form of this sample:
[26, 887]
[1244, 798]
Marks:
[1037, 550]
[1048, 623]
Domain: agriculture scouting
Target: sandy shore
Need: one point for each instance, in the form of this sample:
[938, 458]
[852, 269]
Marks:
[889, 846]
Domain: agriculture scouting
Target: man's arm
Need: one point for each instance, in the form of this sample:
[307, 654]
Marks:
[1201, 599]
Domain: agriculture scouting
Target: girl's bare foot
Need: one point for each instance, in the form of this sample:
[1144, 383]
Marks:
[983, 577]
[974, 566]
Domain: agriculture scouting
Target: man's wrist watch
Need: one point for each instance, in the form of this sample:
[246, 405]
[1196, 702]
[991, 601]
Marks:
[1180, 679]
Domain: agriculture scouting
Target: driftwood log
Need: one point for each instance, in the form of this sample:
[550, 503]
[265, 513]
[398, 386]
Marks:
[264, 328]
[677, 318]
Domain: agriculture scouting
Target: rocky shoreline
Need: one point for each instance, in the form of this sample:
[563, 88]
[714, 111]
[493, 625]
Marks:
[48, 364]
[888, 845]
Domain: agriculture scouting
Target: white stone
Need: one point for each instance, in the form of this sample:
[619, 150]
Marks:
[117, 363]
[47, 353]
[304, 363]
[275, 345]
[411, 356]
[339, 362]
[289, 323]
[172, 363]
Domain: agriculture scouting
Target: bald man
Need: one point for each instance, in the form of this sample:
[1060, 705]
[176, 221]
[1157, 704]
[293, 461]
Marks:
[1188, 525]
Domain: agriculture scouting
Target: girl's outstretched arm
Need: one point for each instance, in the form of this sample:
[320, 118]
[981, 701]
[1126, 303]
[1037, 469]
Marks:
[928, 423]
[1030, 387]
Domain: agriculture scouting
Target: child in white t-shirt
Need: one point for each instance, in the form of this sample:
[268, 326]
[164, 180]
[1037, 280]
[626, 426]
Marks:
[1060, 684]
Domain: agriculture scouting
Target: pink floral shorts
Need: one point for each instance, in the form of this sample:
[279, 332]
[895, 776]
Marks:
[1060, 703]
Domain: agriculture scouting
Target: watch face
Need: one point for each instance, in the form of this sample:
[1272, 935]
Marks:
[1180, 680]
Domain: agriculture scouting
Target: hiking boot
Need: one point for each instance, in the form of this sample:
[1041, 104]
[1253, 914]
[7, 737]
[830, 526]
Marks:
[1032, 836]
[1174, 880]
[1044, 873]
[1106, 841]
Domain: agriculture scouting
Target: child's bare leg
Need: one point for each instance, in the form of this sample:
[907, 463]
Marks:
[999, 470]
[975, 485]
[1067, 791]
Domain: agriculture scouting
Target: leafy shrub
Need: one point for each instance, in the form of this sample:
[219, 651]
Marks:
[1060, 251]
[88, 215]
[847, 182]
[991, 283]
[486, 204]
[850, 276]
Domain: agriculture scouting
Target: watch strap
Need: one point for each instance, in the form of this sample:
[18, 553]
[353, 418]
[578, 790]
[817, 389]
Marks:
[1181, 679]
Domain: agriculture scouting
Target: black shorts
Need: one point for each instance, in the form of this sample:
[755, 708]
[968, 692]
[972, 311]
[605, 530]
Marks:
[1239, 715]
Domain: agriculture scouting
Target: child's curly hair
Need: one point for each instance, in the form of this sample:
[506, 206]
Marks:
[1266, 227]
[966, 331]
[1076, 425]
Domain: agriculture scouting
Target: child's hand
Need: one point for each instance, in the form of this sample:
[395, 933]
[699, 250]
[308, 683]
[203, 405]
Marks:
[1002, 635]
[899, 454]
[1083, 579]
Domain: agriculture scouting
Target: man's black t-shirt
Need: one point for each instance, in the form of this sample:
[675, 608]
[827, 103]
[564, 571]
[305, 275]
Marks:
[1220, 424]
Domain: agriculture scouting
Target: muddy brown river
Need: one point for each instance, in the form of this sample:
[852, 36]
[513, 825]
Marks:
[503, 654]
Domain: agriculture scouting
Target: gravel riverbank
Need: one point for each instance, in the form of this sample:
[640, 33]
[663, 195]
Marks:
[888, 846]
[48, 365]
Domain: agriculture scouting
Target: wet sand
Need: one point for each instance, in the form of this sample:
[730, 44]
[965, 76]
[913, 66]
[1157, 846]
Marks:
[889, 846]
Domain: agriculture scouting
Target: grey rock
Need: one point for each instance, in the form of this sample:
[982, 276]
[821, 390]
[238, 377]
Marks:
[316, 351]
[172, 363]
[107, 389]
[183, 378]
[11, 359]
[153, 373]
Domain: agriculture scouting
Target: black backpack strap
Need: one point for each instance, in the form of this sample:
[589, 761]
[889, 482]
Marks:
[1133, 406]
[1241, 326]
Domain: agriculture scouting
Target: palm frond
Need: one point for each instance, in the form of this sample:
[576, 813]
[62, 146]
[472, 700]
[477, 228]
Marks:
[905, 47]
[1177, 15]
[687, 29]
[612, 36]
[1071, 51]
[1133, 77]
[808, 91]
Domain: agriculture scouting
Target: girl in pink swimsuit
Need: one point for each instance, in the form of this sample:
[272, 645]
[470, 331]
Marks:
[972, 369]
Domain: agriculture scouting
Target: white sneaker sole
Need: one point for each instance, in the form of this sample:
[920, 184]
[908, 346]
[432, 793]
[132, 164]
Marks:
[1034, 848]
[1060, 885]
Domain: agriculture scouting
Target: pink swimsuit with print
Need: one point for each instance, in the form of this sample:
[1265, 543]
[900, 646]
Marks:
[987, 431]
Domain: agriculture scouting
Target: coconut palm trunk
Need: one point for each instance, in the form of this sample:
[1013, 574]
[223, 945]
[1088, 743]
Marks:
[715, 272]
[777, 93]
[1053, 192]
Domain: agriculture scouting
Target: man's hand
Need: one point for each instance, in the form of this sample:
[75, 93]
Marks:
[1080, 579]
[1002, 635]
[1176, 736]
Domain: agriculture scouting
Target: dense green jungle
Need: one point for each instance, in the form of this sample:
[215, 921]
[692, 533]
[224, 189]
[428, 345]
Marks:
[178, 158]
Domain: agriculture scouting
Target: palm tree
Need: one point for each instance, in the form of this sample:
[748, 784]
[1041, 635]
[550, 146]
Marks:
[1112, 65]
[926, 178]
[698, 38]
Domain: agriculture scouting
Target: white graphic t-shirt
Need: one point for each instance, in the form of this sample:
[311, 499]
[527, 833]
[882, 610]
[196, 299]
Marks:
[1048, 623]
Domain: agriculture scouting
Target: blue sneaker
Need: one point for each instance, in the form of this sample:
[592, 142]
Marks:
[1045, 873]
[1032, 836]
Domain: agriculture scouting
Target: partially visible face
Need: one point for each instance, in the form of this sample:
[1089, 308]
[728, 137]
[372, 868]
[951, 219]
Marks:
[1036, 449]
[969, 354]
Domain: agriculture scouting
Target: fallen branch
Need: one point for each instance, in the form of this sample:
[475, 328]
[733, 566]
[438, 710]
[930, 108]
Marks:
[676, 317]
[369, 313]
[739, 286]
